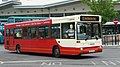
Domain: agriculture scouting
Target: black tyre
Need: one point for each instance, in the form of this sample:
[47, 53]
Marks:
[56, 51]
[18, 49]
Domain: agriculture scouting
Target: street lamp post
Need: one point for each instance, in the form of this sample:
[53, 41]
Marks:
[115, 22]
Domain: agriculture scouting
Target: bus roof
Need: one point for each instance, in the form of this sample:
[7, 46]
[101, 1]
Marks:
[76, 18]
[29, 23]
[3, 19]
[55, 20]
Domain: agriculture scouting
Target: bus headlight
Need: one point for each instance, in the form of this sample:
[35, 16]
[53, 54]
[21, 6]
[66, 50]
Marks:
[100, 46]
[81, 48]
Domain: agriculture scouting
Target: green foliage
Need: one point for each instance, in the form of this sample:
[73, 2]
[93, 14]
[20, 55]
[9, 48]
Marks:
[105, 8]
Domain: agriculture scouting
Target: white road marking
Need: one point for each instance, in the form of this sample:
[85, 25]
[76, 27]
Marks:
[117, 61]
[93, 62]
[57, 62]
[112, 63]
[43, 62]
[35, 61]
[105, 62]
[1, 62]
[30, 61]
[40, 61]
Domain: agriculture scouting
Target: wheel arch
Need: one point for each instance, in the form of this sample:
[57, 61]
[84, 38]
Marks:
[53, 51]
[54, 47]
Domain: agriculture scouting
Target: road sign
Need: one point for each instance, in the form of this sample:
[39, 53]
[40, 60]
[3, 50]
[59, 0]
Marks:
[115, 21]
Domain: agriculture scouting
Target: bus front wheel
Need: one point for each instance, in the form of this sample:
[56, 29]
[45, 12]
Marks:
[56, 51]
[18, 49]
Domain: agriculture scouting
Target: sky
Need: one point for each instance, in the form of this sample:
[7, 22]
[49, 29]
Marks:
[38, 2]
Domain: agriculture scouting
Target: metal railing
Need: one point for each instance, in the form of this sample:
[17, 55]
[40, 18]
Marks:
[111, 39]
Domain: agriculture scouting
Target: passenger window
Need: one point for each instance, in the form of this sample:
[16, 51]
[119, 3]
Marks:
[68, 30]
[55, 31]
[11, 33]
[32, 32]
[18, 33]
[43, 32]
[25, 32]
[7, 32]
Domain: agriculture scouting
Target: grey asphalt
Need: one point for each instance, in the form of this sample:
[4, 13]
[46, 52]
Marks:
[108, 58]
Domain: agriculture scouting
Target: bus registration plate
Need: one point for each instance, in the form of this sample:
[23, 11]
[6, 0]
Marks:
[91, 51]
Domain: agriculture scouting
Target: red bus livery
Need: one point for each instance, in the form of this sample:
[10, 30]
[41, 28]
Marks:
[70, 35]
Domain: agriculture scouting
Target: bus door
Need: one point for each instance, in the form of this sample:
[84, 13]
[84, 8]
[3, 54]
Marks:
[11, 38]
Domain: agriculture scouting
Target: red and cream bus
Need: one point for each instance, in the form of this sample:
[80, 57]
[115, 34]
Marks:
[70, 35]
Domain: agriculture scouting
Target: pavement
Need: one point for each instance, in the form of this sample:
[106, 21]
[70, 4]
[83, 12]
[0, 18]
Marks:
[111, 46]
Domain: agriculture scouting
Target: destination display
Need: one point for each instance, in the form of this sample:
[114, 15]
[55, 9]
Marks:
[89, 18]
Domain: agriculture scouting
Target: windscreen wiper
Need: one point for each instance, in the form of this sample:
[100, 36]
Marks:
[96, 38]
[87, 38]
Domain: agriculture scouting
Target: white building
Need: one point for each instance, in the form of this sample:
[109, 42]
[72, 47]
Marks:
[63, 8]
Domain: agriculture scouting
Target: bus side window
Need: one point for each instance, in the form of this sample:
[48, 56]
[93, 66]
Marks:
[18, 33]
[33, 32]
[43, 32]
[25, 32]
[68, 30]
[29, 33]
[7, 32]
[55, 31]
[11, 33]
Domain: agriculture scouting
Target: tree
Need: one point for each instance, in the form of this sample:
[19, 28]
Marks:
[105, 8]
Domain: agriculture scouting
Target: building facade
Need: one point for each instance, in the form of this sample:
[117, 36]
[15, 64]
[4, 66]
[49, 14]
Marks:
[65, 8]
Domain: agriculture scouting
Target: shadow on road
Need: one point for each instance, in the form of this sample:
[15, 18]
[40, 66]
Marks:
[62, 56]
[80, 57]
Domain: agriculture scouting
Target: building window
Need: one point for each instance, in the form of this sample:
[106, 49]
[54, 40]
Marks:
[45, 15]
[27, 11]
[14, 12]
[35, 11]
[64, 9]
[4, 0]
[57, 15]
[21, 11]
[83, 9]
[42, 10]
[2, 12]
[8, 12]
[73, 8]
[69, 14]
[56, 9]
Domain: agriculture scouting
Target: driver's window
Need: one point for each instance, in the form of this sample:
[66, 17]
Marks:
[68, 30]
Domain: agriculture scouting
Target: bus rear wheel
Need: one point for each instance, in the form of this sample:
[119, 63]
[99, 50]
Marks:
[18, 49]
[56, 52]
